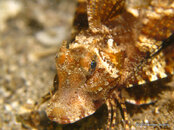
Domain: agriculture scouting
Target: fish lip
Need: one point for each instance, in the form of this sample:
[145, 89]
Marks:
[67, 120]
[64, 121]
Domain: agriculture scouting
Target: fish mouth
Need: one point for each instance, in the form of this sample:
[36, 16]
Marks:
[70, 106]
[58, 115]
[66, 116]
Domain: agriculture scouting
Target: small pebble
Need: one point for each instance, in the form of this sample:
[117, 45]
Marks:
[8, 107]
[52, 36]
[8, 9]
[146, 121]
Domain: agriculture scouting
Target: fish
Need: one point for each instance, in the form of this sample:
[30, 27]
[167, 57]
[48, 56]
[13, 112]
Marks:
[116, 44]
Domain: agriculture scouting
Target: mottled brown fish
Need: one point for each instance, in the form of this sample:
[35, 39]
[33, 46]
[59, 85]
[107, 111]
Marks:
[118, 44]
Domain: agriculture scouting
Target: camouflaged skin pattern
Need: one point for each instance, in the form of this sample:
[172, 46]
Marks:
[117, 44]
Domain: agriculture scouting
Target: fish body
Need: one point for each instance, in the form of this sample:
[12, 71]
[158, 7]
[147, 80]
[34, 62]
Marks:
[121, 44]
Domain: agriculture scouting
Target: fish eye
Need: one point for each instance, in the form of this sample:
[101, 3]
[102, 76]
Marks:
[93, 64]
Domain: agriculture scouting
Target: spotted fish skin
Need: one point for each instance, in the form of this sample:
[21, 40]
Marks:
[122, 43]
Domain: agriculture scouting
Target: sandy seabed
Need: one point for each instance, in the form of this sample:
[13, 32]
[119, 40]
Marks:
[30, 35]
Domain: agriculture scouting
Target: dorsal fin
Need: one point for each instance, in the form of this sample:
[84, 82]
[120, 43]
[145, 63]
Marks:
[80, 19]
[102, 11]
